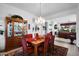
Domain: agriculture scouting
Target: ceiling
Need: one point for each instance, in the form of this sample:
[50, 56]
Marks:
[44, 9]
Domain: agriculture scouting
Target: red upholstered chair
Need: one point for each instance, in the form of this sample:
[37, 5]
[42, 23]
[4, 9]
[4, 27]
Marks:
[51, 42]
[28, 38]
[43, 49]
[26, 50]
[52, 38]
[37, 36]
[46, 44]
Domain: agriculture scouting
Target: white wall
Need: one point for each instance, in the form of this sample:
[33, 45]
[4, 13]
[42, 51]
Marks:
[49, 28]
[2, 37]
[6, 10]
[65, 19]
[32, 25]
[77, 28]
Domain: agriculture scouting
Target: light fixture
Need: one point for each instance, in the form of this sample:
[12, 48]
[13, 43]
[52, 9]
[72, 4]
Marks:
[40, 19]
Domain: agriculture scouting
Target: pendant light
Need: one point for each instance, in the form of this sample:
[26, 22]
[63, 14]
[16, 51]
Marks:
[40, 20]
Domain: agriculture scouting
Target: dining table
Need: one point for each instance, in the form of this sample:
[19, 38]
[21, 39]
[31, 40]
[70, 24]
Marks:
[36, 42]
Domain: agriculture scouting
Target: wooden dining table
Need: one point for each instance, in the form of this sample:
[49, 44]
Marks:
[36, 43]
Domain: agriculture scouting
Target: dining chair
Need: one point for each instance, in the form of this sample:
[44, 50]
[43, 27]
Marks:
[37, 36]
[46, 44]
[26, 49]
[44, 48]
[29, 38]
[51, 43]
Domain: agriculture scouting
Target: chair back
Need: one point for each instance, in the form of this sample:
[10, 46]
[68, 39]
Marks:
[52, 39]
[29, 36]
[51, 43]
[46, 44]
[47, 38]
[37, 36]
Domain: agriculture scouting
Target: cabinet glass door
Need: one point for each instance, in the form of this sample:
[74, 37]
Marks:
[9, 29]
[18, 29]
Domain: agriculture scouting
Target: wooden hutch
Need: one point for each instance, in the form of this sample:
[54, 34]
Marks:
[16, 28]
[68, 34]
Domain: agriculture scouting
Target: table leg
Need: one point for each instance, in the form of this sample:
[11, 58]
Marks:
[71, 41]
[35, 51]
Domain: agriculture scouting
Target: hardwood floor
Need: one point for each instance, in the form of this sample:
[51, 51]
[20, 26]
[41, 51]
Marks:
[73, 50]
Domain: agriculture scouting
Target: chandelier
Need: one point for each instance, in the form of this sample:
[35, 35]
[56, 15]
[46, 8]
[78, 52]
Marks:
[40, 19]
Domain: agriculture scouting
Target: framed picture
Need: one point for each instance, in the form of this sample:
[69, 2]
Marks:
[44, 27]
[33, 29]
[28, 26]
[37, 28]
[55, 26]
[1, 32]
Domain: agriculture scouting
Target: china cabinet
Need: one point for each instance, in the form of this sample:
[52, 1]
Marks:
[16, 28]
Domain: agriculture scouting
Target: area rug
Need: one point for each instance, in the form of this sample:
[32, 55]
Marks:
[57, 51]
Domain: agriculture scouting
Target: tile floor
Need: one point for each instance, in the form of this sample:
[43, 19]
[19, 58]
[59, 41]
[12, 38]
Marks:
[73, 50]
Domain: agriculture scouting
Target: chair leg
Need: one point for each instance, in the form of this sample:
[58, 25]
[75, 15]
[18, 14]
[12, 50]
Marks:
[51, 50]
[44, 52]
